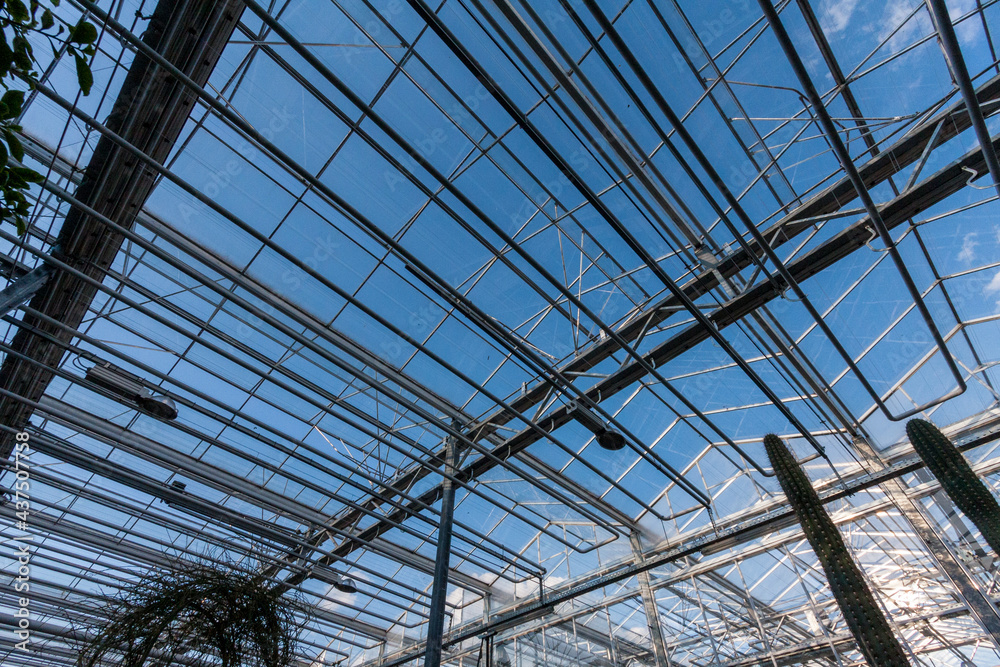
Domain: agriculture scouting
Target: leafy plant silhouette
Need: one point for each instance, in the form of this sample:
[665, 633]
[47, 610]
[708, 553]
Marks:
[19, 21]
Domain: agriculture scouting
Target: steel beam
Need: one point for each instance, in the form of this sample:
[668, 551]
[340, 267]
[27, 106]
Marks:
[150, 110]
[959, 71]
[892, 160]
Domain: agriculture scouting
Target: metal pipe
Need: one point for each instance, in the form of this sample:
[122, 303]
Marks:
[439, 590]
[306, 483]
[425, 273]
[443, 287]
[550, 152]
[643, 254]
[960, 72]
[751, 227]
[321, 330]
[837, 144]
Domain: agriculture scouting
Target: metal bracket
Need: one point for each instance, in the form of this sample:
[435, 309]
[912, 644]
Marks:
[24, 288]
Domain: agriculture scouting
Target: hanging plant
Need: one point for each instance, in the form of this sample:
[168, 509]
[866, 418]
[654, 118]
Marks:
[18, 22]
[205, 611]
[957, 478]
[867, 623]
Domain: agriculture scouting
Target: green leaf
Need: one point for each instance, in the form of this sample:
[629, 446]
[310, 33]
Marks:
[83, 74]
[22, 52]
[47, 20]
[3, 156]
[29, 175]
[18, 12]
[14, 101]
[16, 149]
[6, 57]
[83, 33]
[21, 227]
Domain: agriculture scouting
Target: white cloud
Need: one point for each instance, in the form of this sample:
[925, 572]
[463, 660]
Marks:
[915, 27]
[836, 14]
[335, 598]
[968, 32]
[968, 251]
[919, 25]
[993, 286]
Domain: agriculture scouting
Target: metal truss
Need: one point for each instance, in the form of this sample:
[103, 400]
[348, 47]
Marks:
[381, 255]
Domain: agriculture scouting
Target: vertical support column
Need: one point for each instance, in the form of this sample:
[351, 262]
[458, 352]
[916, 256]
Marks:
[439, 591]
[980, 607]
[959, 71]
[649, 605]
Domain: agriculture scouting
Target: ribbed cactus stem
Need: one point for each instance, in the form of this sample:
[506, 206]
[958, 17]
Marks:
[957, 478]
[867, 623]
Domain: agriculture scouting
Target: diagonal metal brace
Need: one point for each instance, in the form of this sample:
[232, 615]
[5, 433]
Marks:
[24, 288]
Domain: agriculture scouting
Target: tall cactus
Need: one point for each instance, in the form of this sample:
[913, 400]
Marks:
[957, 479]
[870, 628]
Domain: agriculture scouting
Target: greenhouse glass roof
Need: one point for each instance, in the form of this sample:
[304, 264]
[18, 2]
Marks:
[347, 238]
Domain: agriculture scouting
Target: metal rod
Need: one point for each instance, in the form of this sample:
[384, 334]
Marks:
[837, 144]
[956, 63]
[439, 592]
[687, 548]
[424, 272]
[716, 179]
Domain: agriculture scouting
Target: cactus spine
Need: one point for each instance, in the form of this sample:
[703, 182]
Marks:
[867, 623]
[957, 479]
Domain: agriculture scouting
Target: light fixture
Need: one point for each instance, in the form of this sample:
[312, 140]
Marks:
[345, 585]
[161, 407]
[607, 437]
[130, 387]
